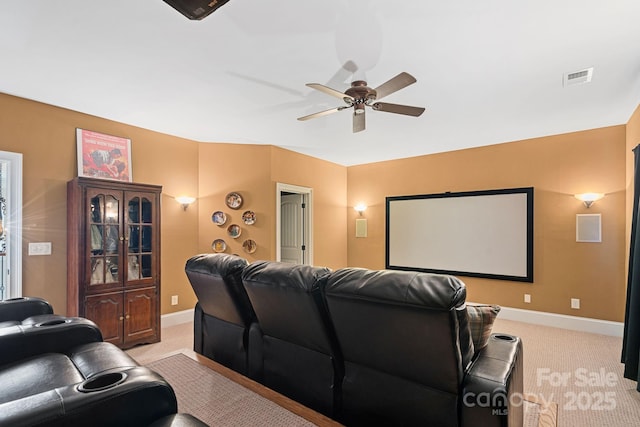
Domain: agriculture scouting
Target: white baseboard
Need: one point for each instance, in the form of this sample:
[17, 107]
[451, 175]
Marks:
[574, 323]
[177, 318]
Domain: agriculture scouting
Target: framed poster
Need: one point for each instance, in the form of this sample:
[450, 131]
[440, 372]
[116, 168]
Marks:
[103, 156]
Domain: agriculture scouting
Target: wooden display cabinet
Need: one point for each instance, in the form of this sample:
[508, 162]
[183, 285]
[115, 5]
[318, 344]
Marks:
[113, 258]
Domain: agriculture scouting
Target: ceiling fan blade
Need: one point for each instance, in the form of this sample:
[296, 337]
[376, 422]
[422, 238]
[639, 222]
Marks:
[398, 82]
[407, 110]
[358, 122]
[267, 84]
[322, 113]
[329, 91]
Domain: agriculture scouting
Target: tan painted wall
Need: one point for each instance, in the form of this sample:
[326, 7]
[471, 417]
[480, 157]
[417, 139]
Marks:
[253, 171]
[244, 169]
[46, 137]
[558, 167]
[329, 184]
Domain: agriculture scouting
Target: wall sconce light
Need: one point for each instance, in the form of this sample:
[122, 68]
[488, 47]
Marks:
[185, 201]
[361, 223]
[589, 198]
[360, 208]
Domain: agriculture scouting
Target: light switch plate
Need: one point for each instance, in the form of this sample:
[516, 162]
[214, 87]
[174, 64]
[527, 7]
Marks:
[40, 248]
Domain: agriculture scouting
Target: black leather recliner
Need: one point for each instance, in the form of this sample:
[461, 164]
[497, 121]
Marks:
[294, 350]
[14, 310]
[408, 354]
[57, 371]
[223, 314]
[378, 347]
[92, 384]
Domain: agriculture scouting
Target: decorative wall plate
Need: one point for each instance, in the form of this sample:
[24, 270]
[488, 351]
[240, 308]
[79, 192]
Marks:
[219, 245]
[249, 246]
[234, 231]
[233, 200]
[249, 217]
[219, 218]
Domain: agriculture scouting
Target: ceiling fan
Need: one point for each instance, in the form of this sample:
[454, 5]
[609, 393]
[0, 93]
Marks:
[359, 96]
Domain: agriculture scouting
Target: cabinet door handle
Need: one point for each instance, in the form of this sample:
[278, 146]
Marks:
[127, 316]
[121, 318]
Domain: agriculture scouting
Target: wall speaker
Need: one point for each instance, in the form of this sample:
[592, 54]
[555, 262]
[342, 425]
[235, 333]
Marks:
[196, 9]
[589, 228]
[361, 227]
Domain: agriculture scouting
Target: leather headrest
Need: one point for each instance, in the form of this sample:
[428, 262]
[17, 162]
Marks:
[427, 290]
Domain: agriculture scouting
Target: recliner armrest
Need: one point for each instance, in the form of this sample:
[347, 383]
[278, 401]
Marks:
[134, 396]
[492, 390]
[53, 334]
[23, 307]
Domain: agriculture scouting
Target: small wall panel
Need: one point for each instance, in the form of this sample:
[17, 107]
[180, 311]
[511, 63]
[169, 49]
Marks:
[589, 228]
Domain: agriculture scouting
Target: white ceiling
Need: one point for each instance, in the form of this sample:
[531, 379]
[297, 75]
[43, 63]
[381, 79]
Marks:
[488, 71]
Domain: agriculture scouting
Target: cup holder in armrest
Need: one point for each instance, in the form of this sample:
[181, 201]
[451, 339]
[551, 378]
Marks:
[102, 382]
[504, 337]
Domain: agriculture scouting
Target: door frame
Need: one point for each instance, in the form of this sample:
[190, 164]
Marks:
[308, 217]
[14, 223]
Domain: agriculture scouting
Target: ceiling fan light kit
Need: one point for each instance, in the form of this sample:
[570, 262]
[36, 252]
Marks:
[359, 96]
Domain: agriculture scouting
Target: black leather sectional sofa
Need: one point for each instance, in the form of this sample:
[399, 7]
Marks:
[57, 371]
[364, 347]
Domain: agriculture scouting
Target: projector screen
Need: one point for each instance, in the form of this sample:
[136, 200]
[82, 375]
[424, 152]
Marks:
[479, 234]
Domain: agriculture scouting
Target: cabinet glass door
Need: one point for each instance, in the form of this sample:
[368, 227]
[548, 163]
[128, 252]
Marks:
[104, 239]
[140, 237]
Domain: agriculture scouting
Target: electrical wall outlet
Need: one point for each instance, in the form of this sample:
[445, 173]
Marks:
[174, 299]
[527, 298]
[41, 248]
[575, 303]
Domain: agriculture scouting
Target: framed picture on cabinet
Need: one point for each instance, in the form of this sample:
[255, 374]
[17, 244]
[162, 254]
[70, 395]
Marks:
[103, 156]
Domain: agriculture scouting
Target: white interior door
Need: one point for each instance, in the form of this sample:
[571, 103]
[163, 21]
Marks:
[294, 219]
[292, 244]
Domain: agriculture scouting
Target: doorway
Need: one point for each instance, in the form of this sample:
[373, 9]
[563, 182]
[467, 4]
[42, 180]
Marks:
[294, 237]
[10, 225]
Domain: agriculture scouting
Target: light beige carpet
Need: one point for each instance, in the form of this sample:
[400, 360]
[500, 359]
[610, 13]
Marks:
[219, 401]
[579, 371]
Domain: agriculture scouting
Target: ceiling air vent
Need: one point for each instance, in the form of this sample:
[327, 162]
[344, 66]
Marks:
[577, 77]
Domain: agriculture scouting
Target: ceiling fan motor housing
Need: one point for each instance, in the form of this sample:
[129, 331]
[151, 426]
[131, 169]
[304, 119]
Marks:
[361, 93]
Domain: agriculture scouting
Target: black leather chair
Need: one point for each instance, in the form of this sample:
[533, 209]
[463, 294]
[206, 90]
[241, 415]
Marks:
[407, 352]
[89, 384]
[293, 349]
[14, 310]
[223, 313]
[55, 334]
[57, 371]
